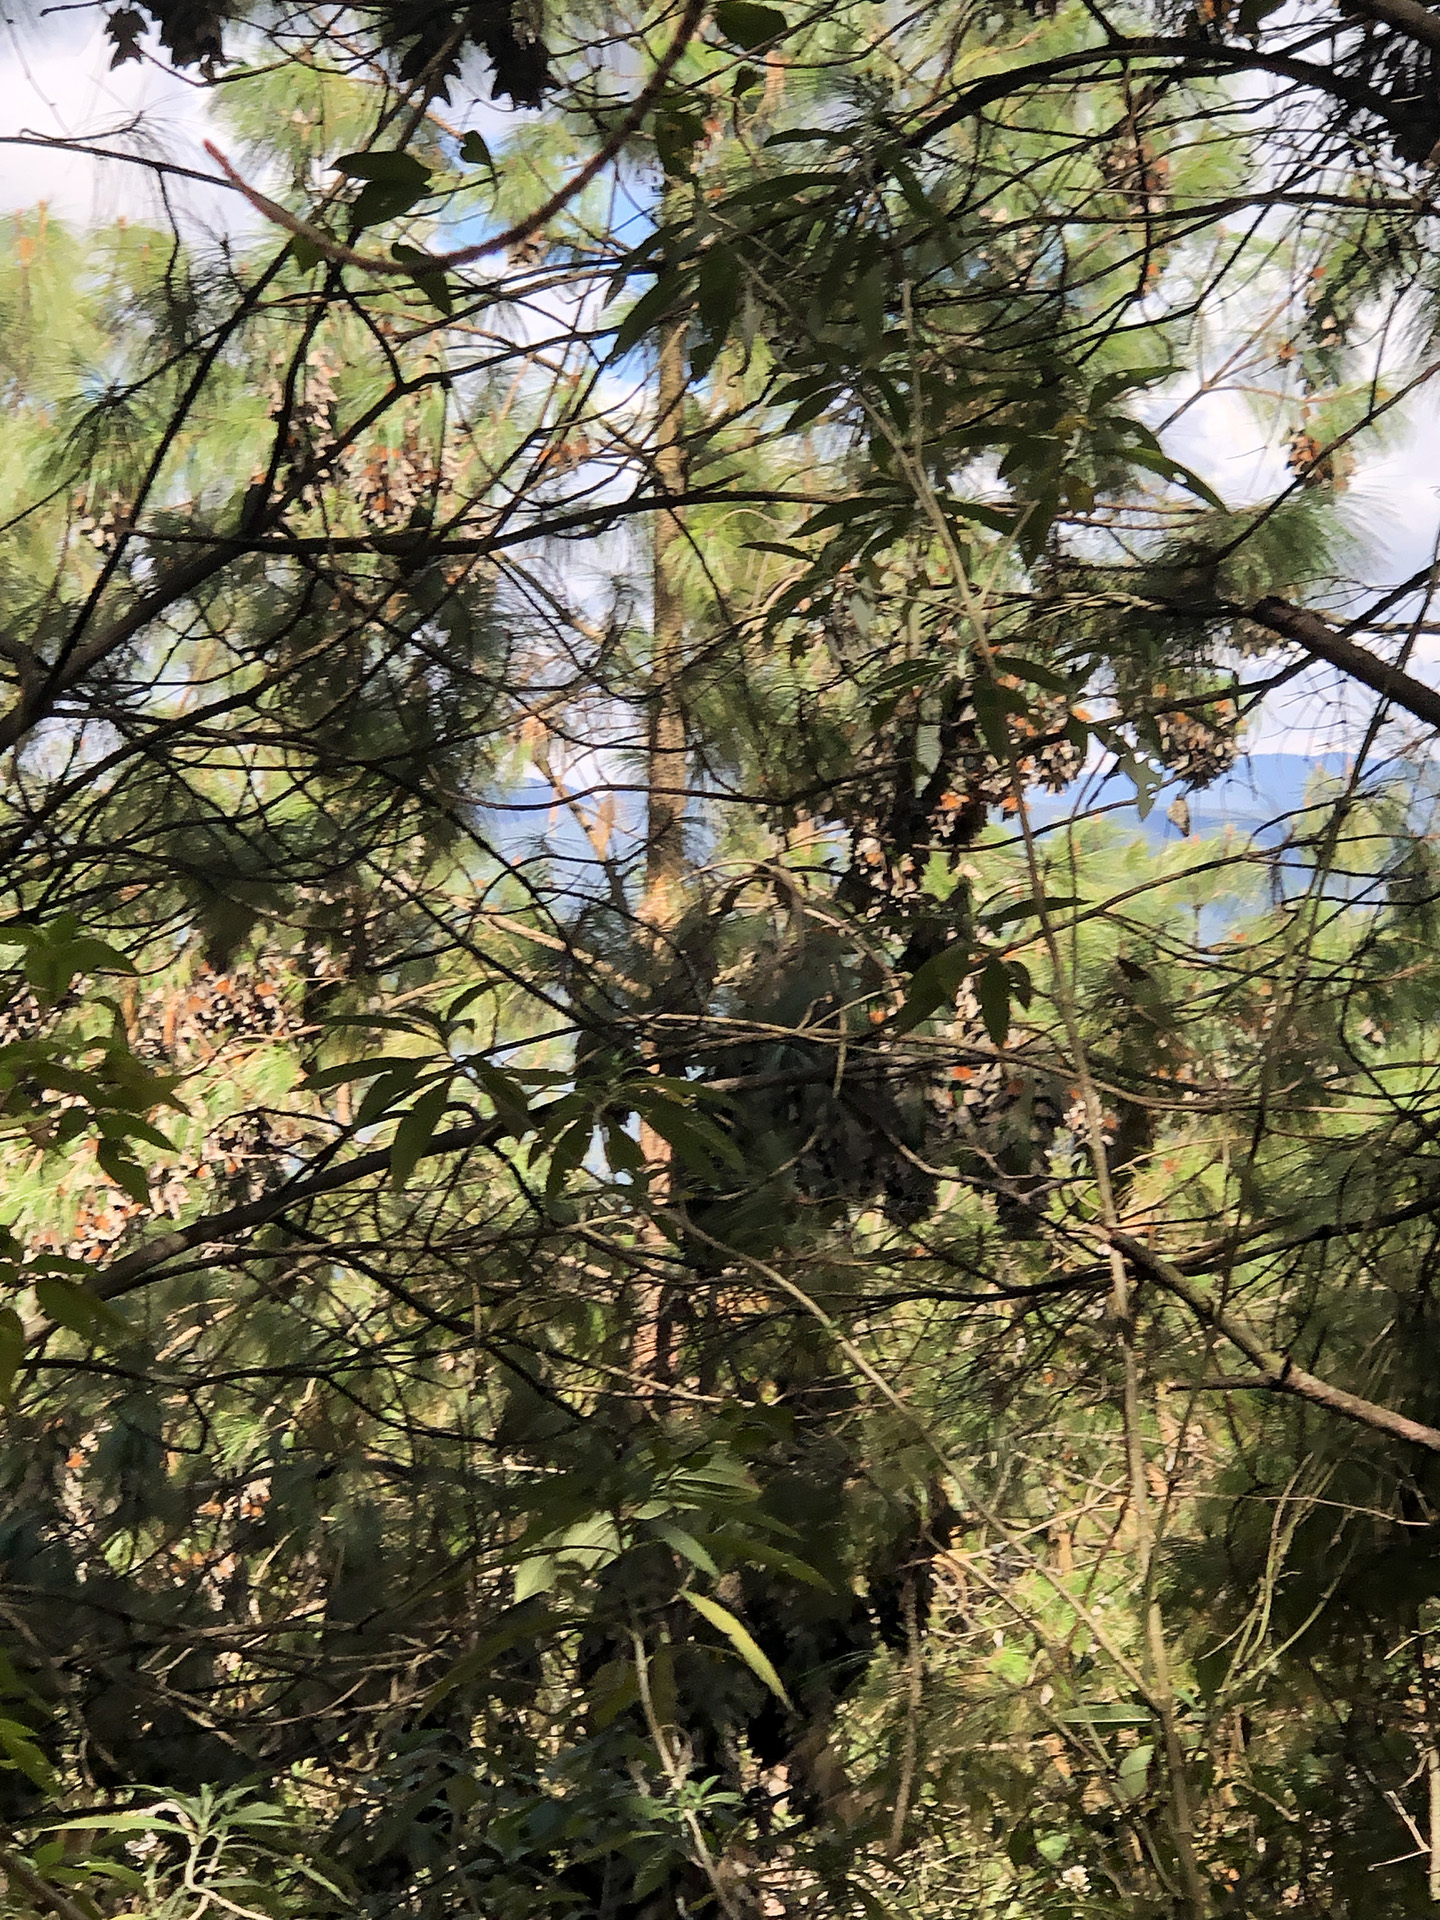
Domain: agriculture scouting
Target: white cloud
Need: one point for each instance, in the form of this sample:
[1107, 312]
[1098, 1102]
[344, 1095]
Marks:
[56, 83]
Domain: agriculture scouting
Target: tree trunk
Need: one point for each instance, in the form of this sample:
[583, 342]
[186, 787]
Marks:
[662, 903]
[666, 773]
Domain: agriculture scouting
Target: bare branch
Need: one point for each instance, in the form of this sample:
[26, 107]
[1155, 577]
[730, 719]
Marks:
[1277, 1370]
[1406, 16]
[1308, 630]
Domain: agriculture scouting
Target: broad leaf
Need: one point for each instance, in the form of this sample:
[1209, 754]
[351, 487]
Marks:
[748, 24]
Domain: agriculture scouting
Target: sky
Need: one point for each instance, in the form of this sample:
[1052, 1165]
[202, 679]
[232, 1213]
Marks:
[55, 79]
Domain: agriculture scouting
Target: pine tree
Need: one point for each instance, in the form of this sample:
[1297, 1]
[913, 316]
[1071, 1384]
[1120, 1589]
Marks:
[865, 1341]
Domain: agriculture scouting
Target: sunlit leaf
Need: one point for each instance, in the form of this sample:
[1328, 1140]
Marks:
[741, 1639]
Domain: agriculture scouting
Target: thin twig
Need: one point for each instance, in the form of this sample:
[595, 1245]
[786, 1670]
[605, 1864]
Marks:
[345, 256]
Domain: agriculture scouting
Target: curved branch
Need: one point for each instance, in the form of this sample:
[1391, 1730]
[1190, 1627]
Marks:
[1406, 16]
[345, 256]
[138, 1269]
[1203, 58]
[49, 1899]
[57, 143]
[1276, 1370]
[38, 695]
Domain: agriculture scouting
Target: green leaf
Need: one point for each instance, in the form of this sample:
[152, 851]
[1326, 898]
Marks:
[622, 1149]
[760, 1553]
[997, 519]
[719, 1481]
[568, 1151]
[507, 1096]
[1135, 1770]
[1125, 380]
[807, 136]
[87, 955]
[124, 1170]
[390, 167]
[590, 1543]
[874, 1907]
[59, 1263]
[554, 1116]
[717, 299]
[678, 131]
[12, 1351]
[839, 514]
[381, 201]
[79, 1311]
[56, 952]
[933, 985]
[88, 1086]
[698, 1141]
[776, 546]
[687, 1546]
[475, 153]
[1022, 987]
[652, 307]
[868, 299]
[428, 277]
[380, 1022]
[907, 677]
[1106, 1713]
[772, 194]
[1020, 1846]
[614, 1688]
[391, 1086]
[801, 388]
[992, 990]
[326, 1077]
[22, 1755]
[415, 1132]
[1148, 781]
[990, 718]
[535, 1574]
[1032, 671]
[1252, 12]
[747, 24]
[1183, 476]
[462, 1790]
[130, 1126]
[304, 253]
[809, 410]
[742, 1641]
[652, 1873]
[1030, 908]
[451, 1016]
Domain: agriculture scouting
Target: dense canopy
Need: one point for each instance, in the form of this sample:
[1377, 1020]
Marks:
[694, 1218]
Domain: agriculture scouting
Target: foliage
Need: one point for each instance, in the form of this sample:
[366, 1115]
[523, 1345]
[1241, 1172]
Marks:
[666, 1248]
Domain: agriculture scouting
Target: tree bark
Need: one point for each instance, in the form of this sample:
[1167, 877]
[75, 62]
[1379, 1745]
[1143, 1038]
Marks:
[661, 906]
[666, 772]
[1309, 631]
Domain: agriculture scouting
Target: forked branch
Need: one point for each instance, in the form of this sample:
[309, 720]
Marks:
[1277, 1370]
[346, 256]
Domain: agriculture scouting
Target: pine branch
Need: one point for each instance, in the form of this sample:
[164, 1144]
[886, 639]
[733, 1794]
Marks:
[1277, 1370]
[1308, 630]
